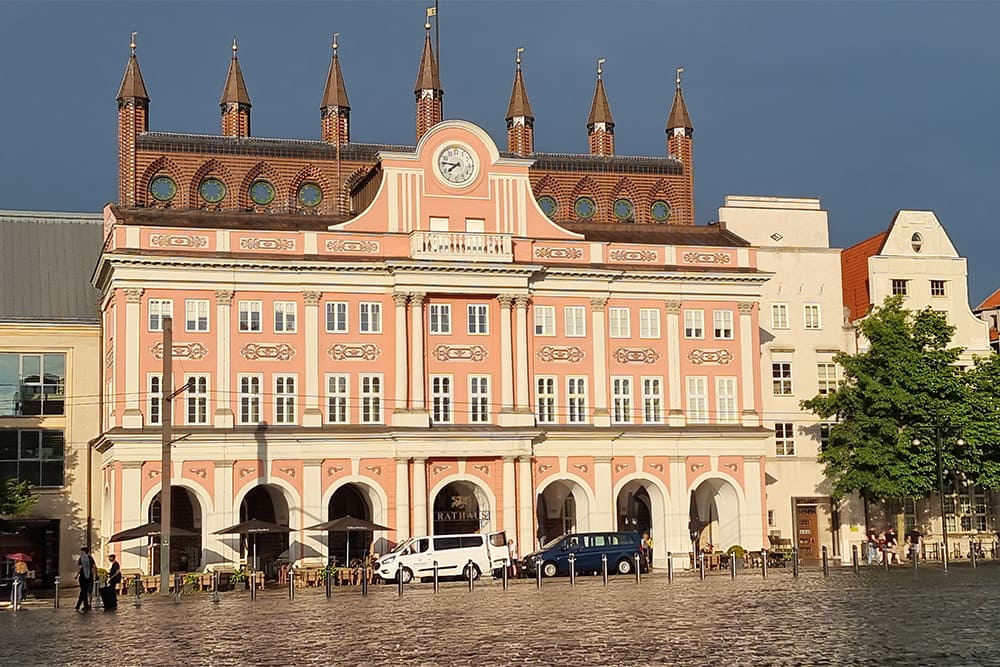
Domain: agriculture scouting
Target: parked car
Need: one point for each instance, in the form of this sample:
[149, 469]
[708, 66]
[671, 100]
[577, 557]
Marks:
[452, 553]
[587, 548]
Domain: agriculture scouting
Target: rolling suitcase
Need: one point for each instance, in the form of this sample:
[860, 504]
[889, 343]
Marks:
[108, 597]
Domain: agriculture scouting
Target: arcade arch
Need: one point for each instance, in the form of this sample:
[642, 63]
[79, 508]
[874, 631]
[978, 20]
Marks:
[563, 505]
[715, 514]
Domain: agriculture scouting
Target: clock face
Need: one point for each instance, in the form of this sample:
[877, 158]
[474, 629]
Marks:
[457, 166]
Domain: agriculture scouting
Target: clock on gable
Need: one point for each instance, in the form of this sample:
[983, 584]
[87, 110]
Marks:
[456, 165]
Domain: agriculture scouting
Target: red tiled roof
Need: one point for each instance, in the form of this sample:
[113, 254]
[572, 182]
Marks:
[992, 301]
[854, 274]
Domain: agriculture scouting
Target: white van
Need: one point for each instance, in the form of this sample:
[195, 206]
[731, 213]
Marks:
[417, 555]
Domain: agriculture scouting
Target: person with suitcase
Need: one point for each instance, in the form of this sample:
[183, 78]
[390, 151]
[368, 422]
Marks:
[109, 593]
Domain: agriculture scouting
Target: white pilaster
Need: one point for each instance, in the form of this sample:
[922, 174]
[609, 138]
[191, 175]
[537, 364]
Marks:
[506, 354]
[420, 497]
[313, 416]
[132, 417]
[603, 516]
[525, 507]
[399, 358]
[313, 511]
[132, 512]
[678, 538]
[752, 519]
[223, 417]
[523, 402]
[748, 361]
[224, 515]
[602, 416]
[509, 499]
[417, 352]
[675, 415]
[402, 499]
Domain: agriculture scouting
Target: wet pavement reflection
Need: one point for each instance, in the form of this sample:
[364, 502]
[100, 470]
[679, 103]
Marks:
[875, 618]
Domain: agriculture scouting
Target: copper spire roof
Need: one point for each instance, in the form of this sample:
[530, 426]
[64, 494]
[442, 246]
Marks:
[427, 75]
[335, 94]
[519, 104]
[600, 110]
[679, 112]
[132, 85]
[235, 89]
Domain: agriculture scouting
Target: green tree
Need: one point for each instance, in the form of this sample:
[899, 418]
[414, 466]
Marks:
[905, 385]
[16, 498]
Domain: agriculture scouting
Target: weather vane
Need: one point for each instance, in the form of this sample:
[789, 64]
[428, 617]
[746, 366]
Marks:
[677, 80]
[600, 70]
[517, 56]
[132, 43]
[235, 48]
[335, 36]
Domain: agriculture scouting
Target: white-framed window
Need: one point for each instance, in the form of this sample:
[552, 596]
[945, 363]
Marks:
[722, 324]
[154, 400]
[824, 434]
[439, 316]
[619, 323]
[337, 398]
[575, 321]
[779, 315]
[249, 314]
[196, 399]
[196, 315]
[694, 323]
[441, 399]
[336, 316]
[649, 323]
[781, 377]
[545, 321]
[810, 316]
[697, 399]
[652, 400]
[370, 317]
[249, 398]
[284, 317]
[899, 287]
[158, 309]
[826, 377]
[479, 399]
[784, 439]
[621, 400]
[576, 394]
[545, 400]
[478, 319]
[371, 398]
[284, 399]
[725, 398]
[938, 288]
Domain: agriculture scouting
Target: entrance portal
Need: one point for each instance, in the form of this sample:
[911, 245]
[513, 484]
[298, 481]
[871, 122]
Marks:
[348, 500]
[561, 508]
[806, 531]
[185, 512]
[635, 509]
[265, 503]
[715, 515]
[460, 507]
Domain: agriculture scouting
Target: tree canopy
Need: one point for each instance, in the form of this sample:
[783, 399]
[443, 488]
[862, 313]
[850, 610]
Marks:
[908, 385]
[16, 498]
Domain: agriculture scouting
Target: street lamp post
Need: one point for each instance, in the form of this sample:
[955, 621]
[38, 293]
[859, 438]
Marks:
[940, 473]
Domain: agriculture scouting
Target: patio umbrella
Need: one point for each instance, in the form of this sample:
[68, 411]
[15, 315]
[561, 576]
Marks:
[253, 527]
[148, 530]
[19, 556]
[347, 524]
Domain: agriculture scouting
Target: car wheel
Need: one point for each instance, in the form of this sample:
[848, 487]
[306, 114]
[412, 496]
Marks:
[407, 575]
[475, 572]
[624, 566]
[550, 569]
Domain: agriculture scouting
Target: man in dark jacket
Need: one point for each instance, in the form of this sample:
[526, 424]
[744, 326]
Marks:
[114, 579]
[85, 575]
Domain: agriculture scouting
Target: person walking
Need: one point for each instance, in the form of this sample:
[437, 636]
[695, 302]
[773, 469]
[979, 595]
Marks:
[512, 555]
[85, 574]
[872, 547]
[114, 579]
[21, 577]
[647, 549]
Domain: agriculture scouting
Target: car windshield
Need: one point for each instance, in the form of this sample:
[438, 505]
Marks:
[401, 546]
[552, 543]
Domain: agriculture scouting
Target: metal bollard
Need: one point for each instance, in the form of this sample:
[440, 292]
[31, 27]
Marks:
[506, 565]
[291, 584]
[604, 568]
[253, 585]
[538, 572]
[364, 583]
[826, 563]
[763, 563]
[638, 569]
[854, 558]
[915, 555]
[795, 561]
[885, 559]
[670, 566]
[55, 600]
[944, 557]
[732, 566]
[216, 597]
[399, 581]
[138, 590]
[701, 566]
[15, 594]
[437, 584]
[328, 579]
[572, 569]
[471, 570]
[972, 553]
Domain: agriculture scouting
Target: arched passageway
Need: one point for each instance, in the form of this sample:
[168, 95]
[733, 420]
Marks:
[561, 507]
[185, 513]
[349, 500]
[265, 502]
[461, 507]
[715, 515]
[635, 508]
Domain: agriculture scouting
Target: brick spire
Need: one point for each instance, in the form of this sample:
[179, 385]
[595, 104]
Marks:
[335, 110]
[235, 102]
[680, 131]
[427, 88]
[520, 121]
[133, 120]
[600, 123]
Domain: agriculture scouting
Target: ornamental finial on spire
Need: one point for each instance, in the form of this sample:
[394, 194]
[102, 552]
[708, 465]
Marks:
[235, 47]
[600, 69]
[677, 79]
[431, 11]
[517, 56]
[334, 45]
[132, 43]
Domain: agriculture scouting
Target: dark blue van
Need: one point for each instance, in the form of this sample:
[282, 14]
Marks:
[588, 548]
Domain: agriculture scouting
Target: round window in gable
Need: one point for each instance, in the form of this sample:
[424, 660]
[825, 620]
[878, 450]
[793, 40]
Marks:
[212, 190]
[262, 193]
[585, 208]
[162, 188]
[548, 205]
[916, 242]
[624, 210]
[660, 210]
[310, 195]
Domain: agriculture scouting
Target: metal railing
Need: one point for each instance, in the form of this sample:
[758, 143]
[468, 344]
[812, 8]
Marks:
[465, 246]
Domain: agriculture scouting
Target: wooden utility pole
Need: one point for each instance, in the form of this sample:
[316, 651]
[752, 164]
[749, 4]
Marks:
[166, 419]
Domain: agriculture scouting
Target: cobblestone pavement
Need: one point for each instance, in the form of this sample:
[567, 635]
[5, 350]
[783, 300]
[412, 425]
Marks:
[875, 618]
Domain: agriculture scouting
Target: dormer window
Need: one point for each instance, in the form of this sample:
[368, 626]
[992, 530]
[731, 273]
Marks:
[916, 242]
